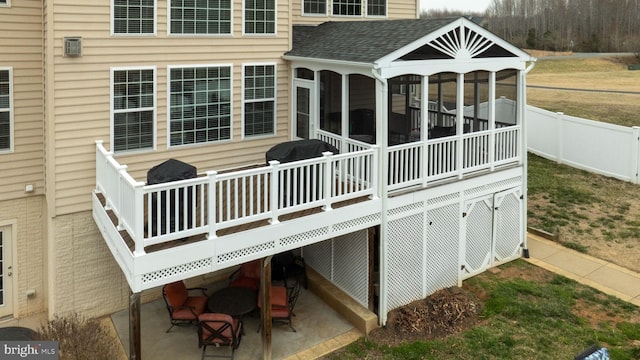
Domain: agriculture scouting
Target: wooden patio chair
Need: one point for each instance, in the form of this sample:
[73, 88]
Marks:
[219, 330]
[183, 308]
[248, 275]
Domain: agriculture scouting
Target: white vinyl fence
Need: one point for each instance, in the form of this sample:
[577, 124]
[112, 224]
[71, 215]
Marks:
[597, 147]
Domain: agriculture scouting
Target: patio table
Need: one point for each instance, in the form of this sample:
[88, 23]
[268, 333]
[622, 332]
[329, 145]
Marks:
[235, 301]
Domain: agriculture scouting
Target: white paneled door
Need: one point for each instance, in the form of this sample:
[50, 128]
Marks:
[6, 275]
[303, 108]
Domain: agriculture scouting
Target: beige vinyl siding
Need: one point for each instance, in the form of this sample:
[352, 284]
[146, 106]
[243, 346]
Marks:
[82, 93]
[396, 9]
[403, 9]
[21, 44]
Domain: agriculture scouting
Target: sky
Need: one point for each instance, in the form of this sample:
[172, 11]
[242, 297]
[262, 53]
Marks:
[465, 5]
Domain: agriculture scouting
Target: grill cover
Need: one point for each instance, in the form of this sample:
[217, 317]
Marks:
[171, 170]
[299, 150]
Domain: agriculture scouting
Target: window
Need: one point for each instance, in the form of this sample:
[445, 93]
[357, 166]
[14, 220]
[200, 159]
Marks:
[6, 110]
[376, 8]
[259, 99]
[134, 17]
[200, 17]
[133, 101]
[314, 7]
[199, 104]
[347, 7]
[5, 3]
[259, 17]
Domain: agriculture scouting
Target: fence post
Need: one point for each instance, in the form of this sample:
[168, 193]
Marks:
[328, 161]
[211, 204]
[635, 156]
[274, 196]
[560, 137]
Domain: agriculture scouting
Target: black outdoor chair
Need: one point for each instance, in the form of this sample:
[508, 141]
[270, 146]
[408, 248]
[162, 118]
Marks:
[287, 265]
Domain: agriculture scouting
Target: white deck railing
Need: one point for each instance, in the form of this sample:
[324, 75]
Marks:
[480, 150]
[154, 214]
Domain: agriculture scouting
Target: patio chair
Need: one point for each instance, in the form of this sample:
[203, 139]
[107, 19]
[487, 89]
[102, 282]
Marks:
[248, 275]
[183, 308]
[283, 301]
[219, 330]
[287, 265]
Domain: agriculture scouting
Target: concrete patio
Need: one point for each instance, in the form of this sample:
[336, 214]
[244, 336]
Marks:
[317, 325]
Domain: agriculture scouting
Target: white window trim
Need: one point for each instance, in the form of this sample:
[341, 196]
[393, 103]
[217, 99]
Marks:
[275, 102]
[8, 4]
[326, 11]
[11, 112]
[155, 108]
[275, 22]
[155, 22]
[169, 68]
[170, 34]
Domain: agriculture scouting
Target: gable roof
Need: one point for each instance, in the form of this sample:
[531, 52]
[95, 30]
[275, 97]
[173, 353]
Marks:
[370, 41]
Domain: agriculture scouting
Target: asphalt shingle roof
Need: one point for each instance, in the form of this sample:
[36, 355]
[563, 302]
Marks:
[360, 41]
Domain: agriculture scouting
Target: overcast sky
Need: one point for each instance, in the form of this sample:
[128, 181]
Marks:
[465, 5]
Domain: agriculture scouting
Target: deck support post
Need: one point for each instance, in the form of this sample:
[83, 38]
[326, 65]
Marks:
[135, 351]
[265, 309]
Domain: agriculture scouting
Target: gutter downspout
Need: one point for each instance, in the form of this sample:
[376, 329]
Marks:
[383, 169]
[525, 161]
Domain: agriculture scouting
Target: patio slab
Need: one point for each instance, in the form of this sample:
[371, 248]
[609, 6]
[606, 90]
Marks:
[315, 323]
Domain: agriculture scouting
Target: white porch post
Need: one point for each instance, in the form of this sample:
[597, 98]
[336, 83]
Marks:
[344, 119]
[382, 137]
[460, 124]
[492, 119]
[424, 127]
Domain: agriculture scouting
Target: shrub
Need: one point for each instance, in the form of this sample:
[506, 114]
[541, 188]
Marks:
[80, 338]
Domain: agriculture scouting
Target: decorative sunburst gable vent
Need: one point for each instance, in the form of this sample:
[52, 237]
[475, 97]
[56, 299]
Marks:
[462, 43]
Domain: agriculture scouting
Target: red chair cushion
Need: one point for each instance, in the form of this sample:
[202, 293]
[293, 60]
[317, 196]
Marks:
[176, 293]
[235, 326]
[278, 298]
[248, 282]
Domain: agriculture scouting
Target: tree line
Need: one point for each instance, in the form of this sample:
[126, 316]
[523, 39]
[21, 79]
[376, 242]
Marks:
[563, 25]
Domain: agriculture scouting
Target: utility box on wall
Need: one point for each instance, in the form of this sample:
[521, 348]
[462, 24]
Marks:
[72, 46]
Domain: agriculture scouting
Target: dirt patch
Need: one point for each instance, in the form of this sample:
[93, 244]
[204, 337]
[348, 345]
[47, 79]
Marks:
[446, 312]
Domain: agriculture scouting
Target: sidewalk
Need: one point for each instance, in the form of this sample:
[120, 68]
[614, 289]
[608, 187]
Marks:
[599, 274]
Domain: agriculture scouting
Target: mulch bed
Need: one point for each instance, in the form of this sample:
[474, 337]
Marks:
[446, 312]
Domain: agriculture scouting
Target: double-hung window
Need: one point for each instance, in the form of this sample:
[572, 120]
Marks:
[6, 110]
[260, 17]
[314, 7]
[376, 8]
[259, 99]
[200, 17]
[347, 7]
[133, 17]
[199, 104]
[133, 108]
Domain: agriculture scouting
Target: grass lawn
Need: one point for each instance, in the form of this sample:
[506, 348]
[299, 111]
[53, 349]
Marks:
[528, 313]
[592, 73]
